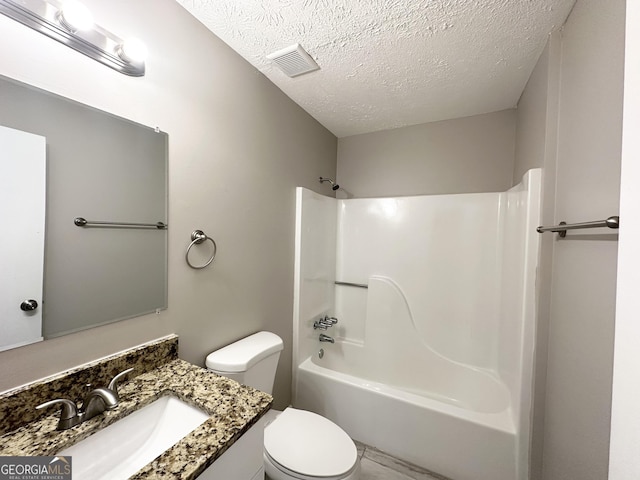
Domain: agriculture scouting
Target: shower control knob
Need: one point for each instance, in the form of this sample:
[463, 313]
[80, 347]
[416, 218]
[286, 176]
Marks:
[28, 305]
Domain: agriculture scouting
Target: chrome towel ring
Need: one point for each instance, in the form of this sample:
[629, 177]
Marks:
[198, 237]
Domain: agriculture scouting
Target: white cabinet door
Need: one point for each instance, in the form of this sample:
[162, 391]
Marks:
[22, 211]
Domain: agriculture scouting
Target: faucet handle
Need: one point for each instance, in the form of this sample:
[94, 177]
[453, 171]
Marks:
[69, 408]
[113, 384]
[68, 415]
[330, 320]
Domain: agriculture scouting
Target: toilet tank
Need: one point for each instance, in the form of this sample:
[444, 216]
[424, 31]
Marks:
[251, 361]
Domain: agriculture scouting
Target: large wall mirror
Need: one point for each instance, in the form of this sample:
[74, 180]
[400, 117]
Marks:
[60, 160]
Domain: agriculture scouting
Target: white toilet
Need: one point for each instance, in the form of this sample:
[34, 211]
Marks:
[297, 444]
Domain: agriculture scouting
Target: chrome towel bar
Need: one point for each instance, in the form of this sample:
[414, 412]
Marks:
[561, 229]
[82, 222]
[350, 284]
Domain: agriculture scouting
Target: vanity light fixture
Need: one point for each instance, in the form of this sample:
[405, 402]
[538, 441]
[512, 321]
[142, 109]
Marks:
[132, 50]
[71, 23]
[74, 16]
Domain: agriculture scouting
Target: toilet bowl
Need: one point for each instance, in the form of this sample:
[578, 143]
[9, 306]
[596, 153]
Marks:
[298, 444]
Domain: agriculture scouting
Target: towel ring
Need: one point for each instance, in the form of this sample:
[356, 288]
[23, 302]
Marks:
[198, 237]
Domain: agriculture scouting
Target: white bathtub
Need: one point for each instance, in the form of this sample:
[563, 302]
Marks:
[450, 440]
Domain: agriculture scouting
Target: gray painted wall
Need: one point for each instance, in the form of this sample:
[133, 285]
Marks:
[238, 147]
[571, 124]
[531, 121]
[579, 374]
[464, 155]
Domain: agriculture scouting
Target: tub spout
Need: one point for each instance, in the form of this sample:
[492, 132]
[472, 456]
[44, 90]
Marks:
[326, 338]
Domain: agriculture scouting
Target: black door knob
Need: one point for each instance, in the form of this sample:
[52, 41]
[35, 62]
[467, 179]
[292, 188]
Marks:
[28, 305]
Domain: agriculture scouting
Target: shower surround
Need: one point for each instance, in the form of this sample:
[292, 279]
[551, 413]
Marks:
[433, 362]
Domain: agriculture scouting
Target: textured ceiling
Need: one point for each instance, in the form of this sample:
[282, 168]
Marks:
[391, 63]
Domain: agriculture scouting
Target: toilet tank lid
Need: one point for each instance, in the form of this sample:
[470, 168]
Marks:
[245, 353]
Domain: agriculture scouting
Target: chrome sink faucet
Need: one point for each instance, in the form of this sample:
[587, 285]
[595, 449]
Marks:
[96, 402]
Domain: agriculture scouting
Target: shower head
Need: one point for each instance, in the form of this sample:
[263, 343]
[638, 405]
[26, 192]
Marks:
[334, 185]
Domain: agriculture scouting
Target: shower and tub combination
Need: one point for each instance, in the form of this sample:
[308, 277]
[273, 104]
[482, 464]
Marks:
[432, 356]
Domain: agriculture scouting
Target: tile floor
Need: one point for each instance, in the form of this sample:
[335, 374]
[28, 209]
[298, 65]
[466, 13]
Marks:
[377, 465]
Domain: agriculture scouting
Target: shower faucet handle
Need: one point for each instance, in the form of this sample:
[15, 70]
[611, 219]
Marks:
[325, 323]
[319, 324]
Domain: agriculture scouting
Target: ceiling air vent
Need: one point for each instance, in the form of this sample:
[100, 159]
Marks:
[293, 60]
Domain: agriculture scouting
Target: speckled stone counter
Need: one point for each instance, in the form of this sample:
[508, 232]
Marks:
[233, 409]
[18, 406]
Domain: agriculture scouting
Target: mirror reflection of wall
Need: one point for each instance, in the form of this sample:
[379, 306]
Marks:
[103, 168]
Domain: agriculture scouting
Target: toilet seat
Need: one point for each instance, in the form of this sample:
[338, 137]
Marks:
[304, 445]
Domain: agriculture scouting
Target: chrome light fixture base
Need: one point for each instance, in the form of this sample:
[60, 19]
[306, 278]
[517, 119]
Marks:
[96, 43]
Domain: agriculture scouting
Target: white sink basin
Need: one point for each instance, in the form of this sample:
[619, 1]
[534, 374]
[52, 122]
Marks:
[123, 448]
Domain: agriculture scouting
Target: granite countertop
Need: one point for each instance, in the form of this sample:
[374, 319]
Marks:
[232, 407]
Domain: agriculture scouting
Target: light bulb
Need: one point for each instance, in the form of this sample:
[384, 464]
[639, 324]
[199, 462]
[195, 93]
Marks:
[132, 50]
[75, 16]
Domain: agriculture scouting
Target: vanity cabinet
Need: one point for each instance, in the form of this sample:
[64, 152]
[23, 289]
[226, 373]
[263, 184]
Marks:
[243, 460]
